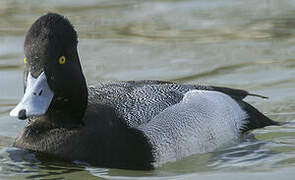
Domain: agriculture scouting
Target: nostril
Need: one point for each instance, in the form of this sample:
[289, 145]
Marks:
[40, 93]
[22, 114]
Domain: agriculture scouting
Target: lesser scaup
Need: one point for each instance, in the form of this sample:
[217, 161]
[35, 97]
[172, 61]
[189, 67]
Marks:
[131, 124]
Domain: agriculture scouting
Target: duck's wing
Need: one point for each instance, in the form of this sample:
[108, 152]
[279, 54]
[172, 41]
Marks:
[137, 102]
[234, 93]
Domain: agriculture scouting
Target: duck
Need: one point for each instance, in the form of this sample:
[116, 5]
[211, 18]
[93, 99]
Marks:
[140, 124]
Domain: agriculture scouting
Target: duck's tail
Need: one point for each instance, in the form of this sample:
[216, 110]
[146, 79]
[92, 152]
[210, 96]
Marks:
[255, 118]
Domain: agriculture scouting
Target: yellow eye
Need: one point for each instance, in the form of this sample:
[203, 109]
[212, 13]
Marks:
[25, 60]
[62, 60]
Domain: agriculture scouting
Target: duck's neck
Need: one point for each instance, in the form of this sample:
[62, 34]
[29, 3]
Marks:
[69, 108]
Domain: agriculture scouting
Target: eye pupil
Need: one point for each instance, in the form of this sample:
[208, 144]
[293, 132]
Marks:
[62, 60]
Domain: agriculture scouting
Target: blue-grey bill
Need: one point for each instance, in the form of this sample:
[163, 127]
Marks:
[36, 99]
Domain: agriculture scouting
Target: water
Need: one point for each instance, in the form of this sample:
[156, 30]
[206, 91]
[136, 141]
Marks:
[240, 44]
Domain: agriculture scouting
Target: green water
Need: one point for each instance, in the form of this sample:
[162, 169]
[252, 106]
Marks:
[240, 44]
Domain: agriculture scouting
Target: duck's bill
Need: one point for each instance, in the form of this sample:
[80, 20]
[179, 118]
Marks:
[36, 99]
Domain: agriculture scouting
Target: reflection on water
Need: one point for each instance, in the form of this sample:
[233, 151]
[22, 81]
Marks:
[241, 44]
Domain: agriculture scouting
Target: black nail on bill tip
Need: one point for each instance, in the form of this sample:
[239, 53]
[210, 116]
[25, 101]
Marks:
[22, 114]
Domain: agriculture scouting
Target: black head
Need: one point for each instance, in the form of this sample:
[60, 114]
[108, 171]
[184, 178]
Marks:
[50, 37]
[51, 47]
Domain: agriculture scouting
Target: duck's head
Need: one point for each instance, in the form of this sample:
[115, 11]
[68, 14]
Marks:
[53, 79]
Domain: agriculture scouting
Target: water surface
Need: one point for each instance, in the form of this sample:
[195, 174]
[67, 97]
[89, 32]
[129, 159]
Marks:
[240, 44]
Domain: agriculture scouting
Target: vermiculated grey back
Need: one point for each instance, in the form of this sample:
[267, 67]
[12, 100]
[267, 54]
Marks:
[137, 102]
